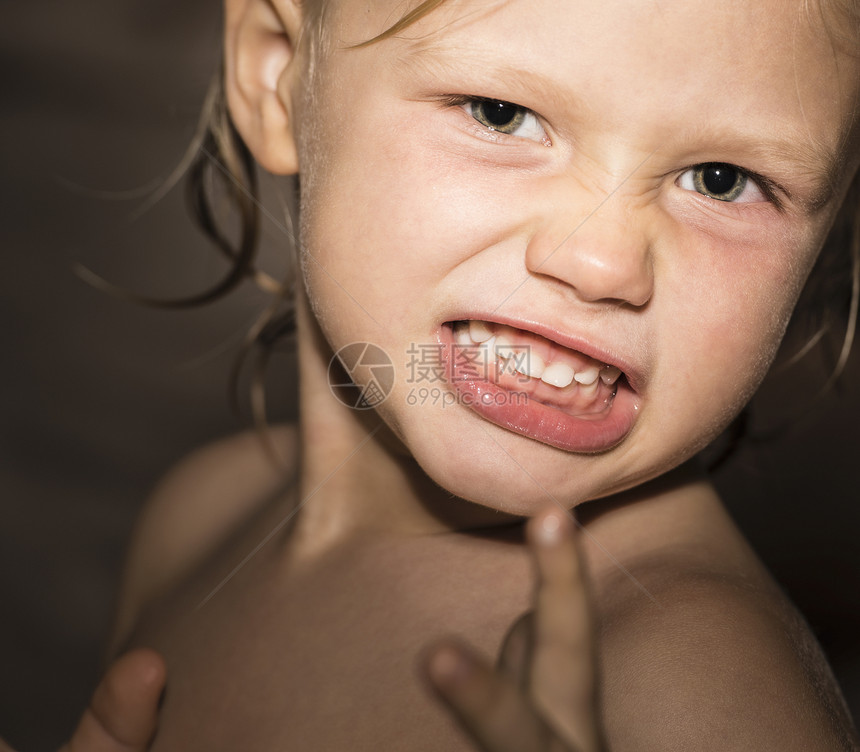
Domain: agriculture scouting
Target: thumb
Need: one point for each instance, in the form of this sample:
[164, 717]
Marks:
[123, 712]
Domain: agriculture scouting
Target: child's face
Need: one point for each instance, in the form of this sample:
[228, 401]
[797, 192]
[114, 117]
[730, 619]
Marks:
[591, 223]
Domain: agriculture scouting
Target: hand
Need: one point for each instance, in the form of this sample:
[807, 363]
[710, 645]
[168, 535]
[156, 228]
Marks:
[541, 696]
[123, 711]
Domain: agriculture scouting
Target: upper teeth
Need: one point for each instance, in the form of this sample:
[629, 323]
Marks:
[531, 364]
[504, 347]
[587, 376]
[479, 331]
[558, 374]
[609, 374]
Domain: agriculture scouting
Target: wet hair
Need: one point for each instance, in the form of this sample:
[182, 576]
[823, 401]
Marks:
[222, 170]
[223, 173]
[222, 196]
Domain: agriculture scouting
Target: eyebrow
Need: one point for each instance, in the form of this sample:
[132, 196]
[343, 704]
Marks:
[435, 58]
[820, 167]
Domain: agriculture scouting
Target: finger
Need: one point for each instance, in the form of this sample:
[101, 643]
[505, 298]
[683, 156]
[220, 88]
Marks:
[123, 712]
[488, 704]
[515, 655]
[562, 675]
[5, 747]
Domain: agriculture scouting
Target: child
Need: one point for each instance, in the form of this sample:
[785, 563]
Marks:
[585, 225]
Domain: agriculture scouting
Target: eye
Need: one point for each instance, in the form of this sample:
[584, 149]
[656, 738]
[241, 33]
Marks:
[507, 118]
[723, 182]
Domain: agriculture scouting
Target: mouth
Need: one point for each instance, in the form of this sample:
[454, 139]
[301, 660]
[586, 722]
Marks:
[538, 388]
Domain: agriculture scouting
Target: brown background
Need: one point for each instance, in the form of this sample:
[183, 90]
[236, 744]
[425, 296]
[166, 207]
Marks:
[99, 100]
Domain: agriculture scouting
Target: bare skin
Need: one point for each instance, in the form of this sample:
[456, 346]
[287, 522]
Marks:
[697, 669]
[711, 655]
[311, 630]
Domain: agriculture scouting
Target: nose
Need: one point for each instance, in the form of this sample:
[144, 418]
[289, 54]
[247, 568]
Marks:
[604, 254]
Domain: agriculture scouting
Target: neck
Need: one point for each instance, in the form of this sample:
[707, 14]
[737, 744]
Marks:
[357, 479]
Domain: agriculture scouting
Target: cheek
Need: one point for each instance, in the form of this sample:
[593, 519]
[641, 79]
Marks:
[740, 293]
[385, 220]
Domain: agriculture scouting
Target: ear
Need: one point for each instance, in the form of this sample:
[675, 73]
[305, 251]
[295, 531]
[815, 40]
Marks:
[260, 71]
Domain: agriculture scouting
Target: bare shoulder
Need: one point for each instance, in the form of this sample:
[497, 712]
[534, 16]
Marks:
[700, 647]
[194, 508]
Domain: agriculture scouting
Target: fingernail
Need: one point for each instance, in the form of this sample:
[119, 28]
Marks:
[448, 665]
[549, 530]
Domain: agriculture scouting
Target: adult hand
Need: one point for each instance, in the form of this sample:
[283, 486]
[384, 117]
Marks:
[123, 711]
[541, 694]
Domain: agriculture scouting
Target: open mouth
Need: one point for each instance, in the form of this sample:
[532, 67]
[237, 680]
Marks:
[538, 388]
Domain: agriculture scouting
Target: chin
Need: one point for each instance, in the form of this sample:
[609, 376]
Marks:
[487, 474]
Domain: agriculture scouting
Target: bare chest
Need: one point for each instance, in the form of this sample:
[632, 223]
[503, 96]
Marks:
[329, 658]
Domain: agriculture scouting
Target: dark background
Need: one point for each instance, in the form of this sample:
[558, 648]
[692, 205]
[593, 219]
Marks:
[99, 101]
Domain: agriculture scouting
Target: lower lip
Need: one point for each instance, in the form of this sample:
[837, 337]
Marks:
[587, 434]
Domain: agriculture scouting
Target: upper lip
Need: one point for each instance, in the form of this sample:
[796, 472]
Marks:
[578, 342]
